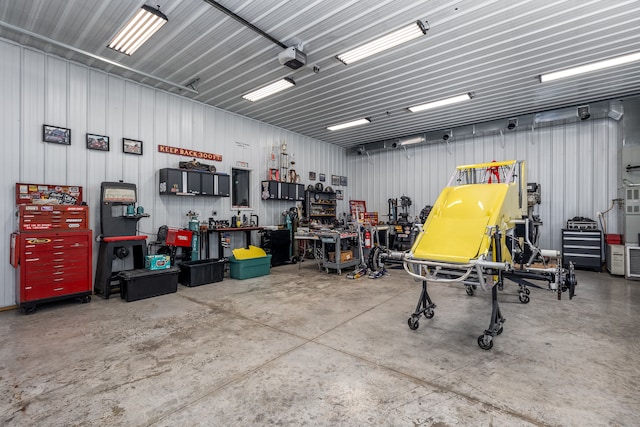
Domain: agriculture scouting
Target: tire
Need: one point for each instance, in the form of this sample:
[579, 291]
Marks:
[374, 258]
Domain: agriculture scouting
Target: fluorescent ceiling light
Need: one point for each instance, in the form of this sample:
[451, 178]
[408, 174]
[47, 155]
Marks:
[410, 140]
[400, 36]
[275, 87]
[350, 124]
[594, 66]
[440, 103]
[138, 30]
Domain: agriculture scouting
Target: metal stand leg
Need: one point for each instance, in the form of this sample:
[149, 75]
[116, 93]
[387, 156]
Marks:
[425, 305]
[485, 341]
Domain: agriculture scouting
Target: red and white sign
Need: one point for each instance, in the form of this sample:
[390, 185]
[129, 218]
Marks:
[189, 153]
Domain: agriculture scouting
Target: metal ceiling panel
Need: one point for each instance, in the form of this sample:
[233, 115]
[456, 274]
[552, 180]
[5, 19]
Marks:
[492, 48]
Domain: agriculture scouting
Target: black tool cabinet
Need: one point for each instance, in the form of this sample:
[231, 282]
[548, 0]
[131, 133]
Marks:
[192, 182]
[583, 248]
[278, 244]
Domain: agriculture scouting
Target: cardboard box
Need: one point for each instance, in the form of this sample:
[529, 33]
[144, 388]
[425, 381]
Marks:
[248, 268]
[157, 262]
[344, 256]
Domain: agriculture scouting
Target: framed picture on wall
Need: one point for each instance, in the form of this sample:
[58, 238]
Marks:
[131, 146]
[343, 181]
[97, 142]
[323, 178]
[335, 179]
[56, 134]
[312, 176]
[339, 195]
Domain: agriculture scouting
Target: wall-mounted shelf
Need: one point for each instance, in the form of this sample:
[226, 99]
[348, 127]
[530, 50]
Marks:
[181, 182]
[320, 206]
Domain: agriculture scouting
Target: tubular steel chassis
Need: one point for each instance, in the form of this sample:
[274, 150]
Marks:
[481, 272]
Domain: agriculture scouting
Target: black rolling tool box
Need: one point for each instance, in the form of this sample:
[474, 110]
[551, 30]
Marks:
[142, 283]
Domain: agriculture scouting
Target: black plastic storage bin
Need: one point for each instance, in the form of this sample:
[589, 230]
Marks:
[201, 272]
[142, 283]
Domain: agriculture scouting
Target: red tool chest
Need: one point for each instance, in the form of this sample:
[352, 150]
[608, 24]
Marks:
[52, 252]
[51, 266]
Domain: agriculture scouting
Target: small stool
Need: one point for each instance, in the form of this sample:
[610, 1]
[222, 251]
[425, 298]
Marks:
[102, 284]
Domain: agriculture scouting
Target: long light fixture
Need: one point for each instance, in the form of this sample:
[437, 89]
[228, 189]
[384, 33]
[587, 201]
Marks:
[411, 140]
[395, 38]
[350, 124]
[587, 68]
[143, 25]
[274, 87]
[440, 103]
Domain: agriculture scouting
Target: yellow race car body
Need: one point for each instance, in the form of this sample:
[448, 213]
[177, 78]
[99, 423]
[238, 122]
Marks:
[479, 199]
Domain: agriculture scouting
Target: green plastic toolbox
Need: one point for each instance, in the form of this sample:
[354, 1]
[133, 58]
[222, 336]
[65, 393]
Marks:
[248, 268]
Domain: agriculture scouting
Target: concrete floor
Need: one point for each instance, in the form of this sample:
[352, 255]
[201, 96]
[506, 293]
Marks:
[300, 347]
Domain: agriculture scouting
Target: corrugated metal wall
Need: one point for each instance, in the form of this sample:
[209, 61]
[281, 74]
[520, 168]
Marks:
[42, 89]
[576, 164]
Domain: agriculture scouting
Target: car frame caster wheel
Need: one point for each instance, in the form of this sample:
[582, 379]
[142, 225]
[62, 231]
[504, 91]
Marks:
[413, 323]
[524, 298]
[429, 313]
[485, 342]
[470, 291]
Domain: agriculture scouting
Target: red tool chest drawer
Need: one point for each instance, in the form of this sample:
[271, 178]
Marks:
[53, 217]
[52, 289]
[52, 265]
[54, 245]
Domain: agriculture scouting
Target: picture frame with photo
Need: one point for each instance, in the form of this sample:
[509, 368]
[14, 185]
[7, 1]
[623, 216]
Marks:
[343, 181]
[322, 177]
[97, 142]
[339, 195]
[132, 146]
[335, 180]
[56, 135]
[312, 176]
